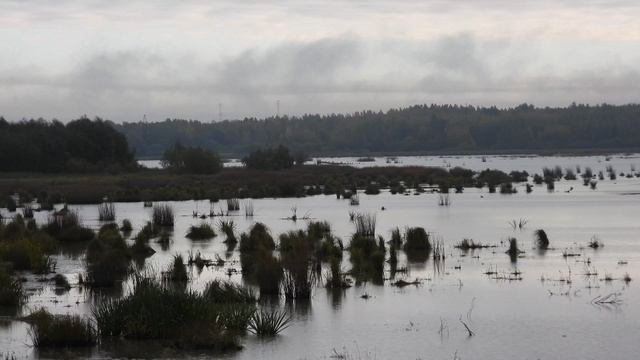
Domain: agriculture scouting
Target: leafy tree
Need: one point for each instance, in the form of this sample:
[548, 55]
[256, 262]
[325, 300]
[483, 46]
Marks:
[269, 159]
[192, 160]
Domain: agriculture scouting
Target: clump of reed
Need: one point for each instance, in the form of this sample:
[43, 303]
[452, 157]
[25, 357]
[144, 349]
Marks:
[201, 232]
[336, 279]
[297, 257]
[444, 200]
[65, 226]
[265, 269]
[60, 331]
[469, 244]
[228, 227]
[542, 241]
[107, 211]
[248, 209]
[27, 211]
[507, 188]
[365, 224]
[367, 258]
[108, 258]
[233, 205]
[396, 237]
[177, 271]
[12, 293]
[162, 215]
[569, 174]
[269, 323]
[154, 311]
[148, 232]
[513, 250]
[223, 292]
[595, 243]
[126, 226]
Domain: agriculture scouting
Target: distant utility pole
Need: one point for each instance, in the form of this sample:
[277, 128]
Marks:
[219, 112]
[144, 118]
[278, 108]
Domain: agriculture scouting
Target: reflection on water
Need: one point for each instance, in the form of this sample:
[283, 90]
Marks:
[541, 305]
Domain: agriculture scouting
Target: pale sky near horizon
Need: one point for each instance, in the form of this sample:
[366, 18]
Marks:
[179, 59]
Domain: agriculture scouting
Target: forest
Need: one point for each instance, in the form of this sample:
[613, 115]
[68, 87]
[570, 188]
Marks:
[412, 130]
[81, 145]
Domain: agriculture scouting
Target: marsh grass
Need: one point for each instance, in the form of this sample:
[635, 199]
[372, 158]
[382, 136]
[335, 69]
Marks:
[162, 215]
[228, 227]
[65, 226]
[223, 292]
[269, 323]
[60, 331]
[154, 311]
[257, 239]
[233, 205]
[396, 237]
[365, 224]
[107, 211]
[203, 231]
[469, 244]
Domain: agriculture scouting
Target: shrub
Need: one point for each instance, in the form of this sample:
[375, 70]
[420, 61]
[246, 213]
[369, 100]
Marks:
[126, 226]
[542, 241]
[11, 292]
[60, 330]
[269, 159]
[257, 239]
[193, 160]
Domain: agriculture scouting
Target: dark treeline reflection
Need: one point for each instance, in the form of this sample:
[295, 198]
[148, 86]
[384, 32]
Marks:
[418, 128]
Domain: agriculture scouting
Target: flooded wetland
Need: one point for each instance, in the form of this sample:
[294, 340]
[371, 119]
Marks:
[568, 292]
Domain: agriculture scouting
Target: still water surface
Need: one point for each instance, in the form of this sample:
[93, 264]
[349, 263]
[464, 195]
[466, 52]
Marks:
[538, 317]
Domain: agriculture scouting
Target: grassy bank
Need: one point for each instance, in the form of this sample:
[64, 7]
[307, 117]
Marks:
[161, 185]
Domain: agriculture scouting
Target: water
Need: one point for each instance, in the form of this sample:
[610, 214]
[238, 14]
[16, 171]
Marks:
[530, 318]
[530, 163]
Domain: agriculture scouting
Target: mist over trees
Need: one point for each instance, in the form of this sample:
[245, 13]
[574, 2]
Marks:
[50, 146]
[415, 129]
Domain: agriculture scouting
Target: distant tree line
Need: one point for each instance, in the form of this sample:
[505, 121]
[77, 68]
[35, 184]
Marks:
[81, 145]
[415, 129]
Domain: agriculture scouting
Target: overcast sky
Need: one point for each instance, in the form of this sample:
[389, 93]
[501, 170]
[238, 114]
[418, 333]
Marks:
[121, 59]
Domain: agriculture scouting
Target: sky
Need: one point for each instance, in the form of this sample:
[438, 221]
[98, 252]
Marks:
[125, 60]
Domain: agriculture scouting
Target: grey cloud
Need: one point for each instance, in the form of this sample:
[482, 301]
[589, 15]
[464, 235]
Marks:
[329, 75]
